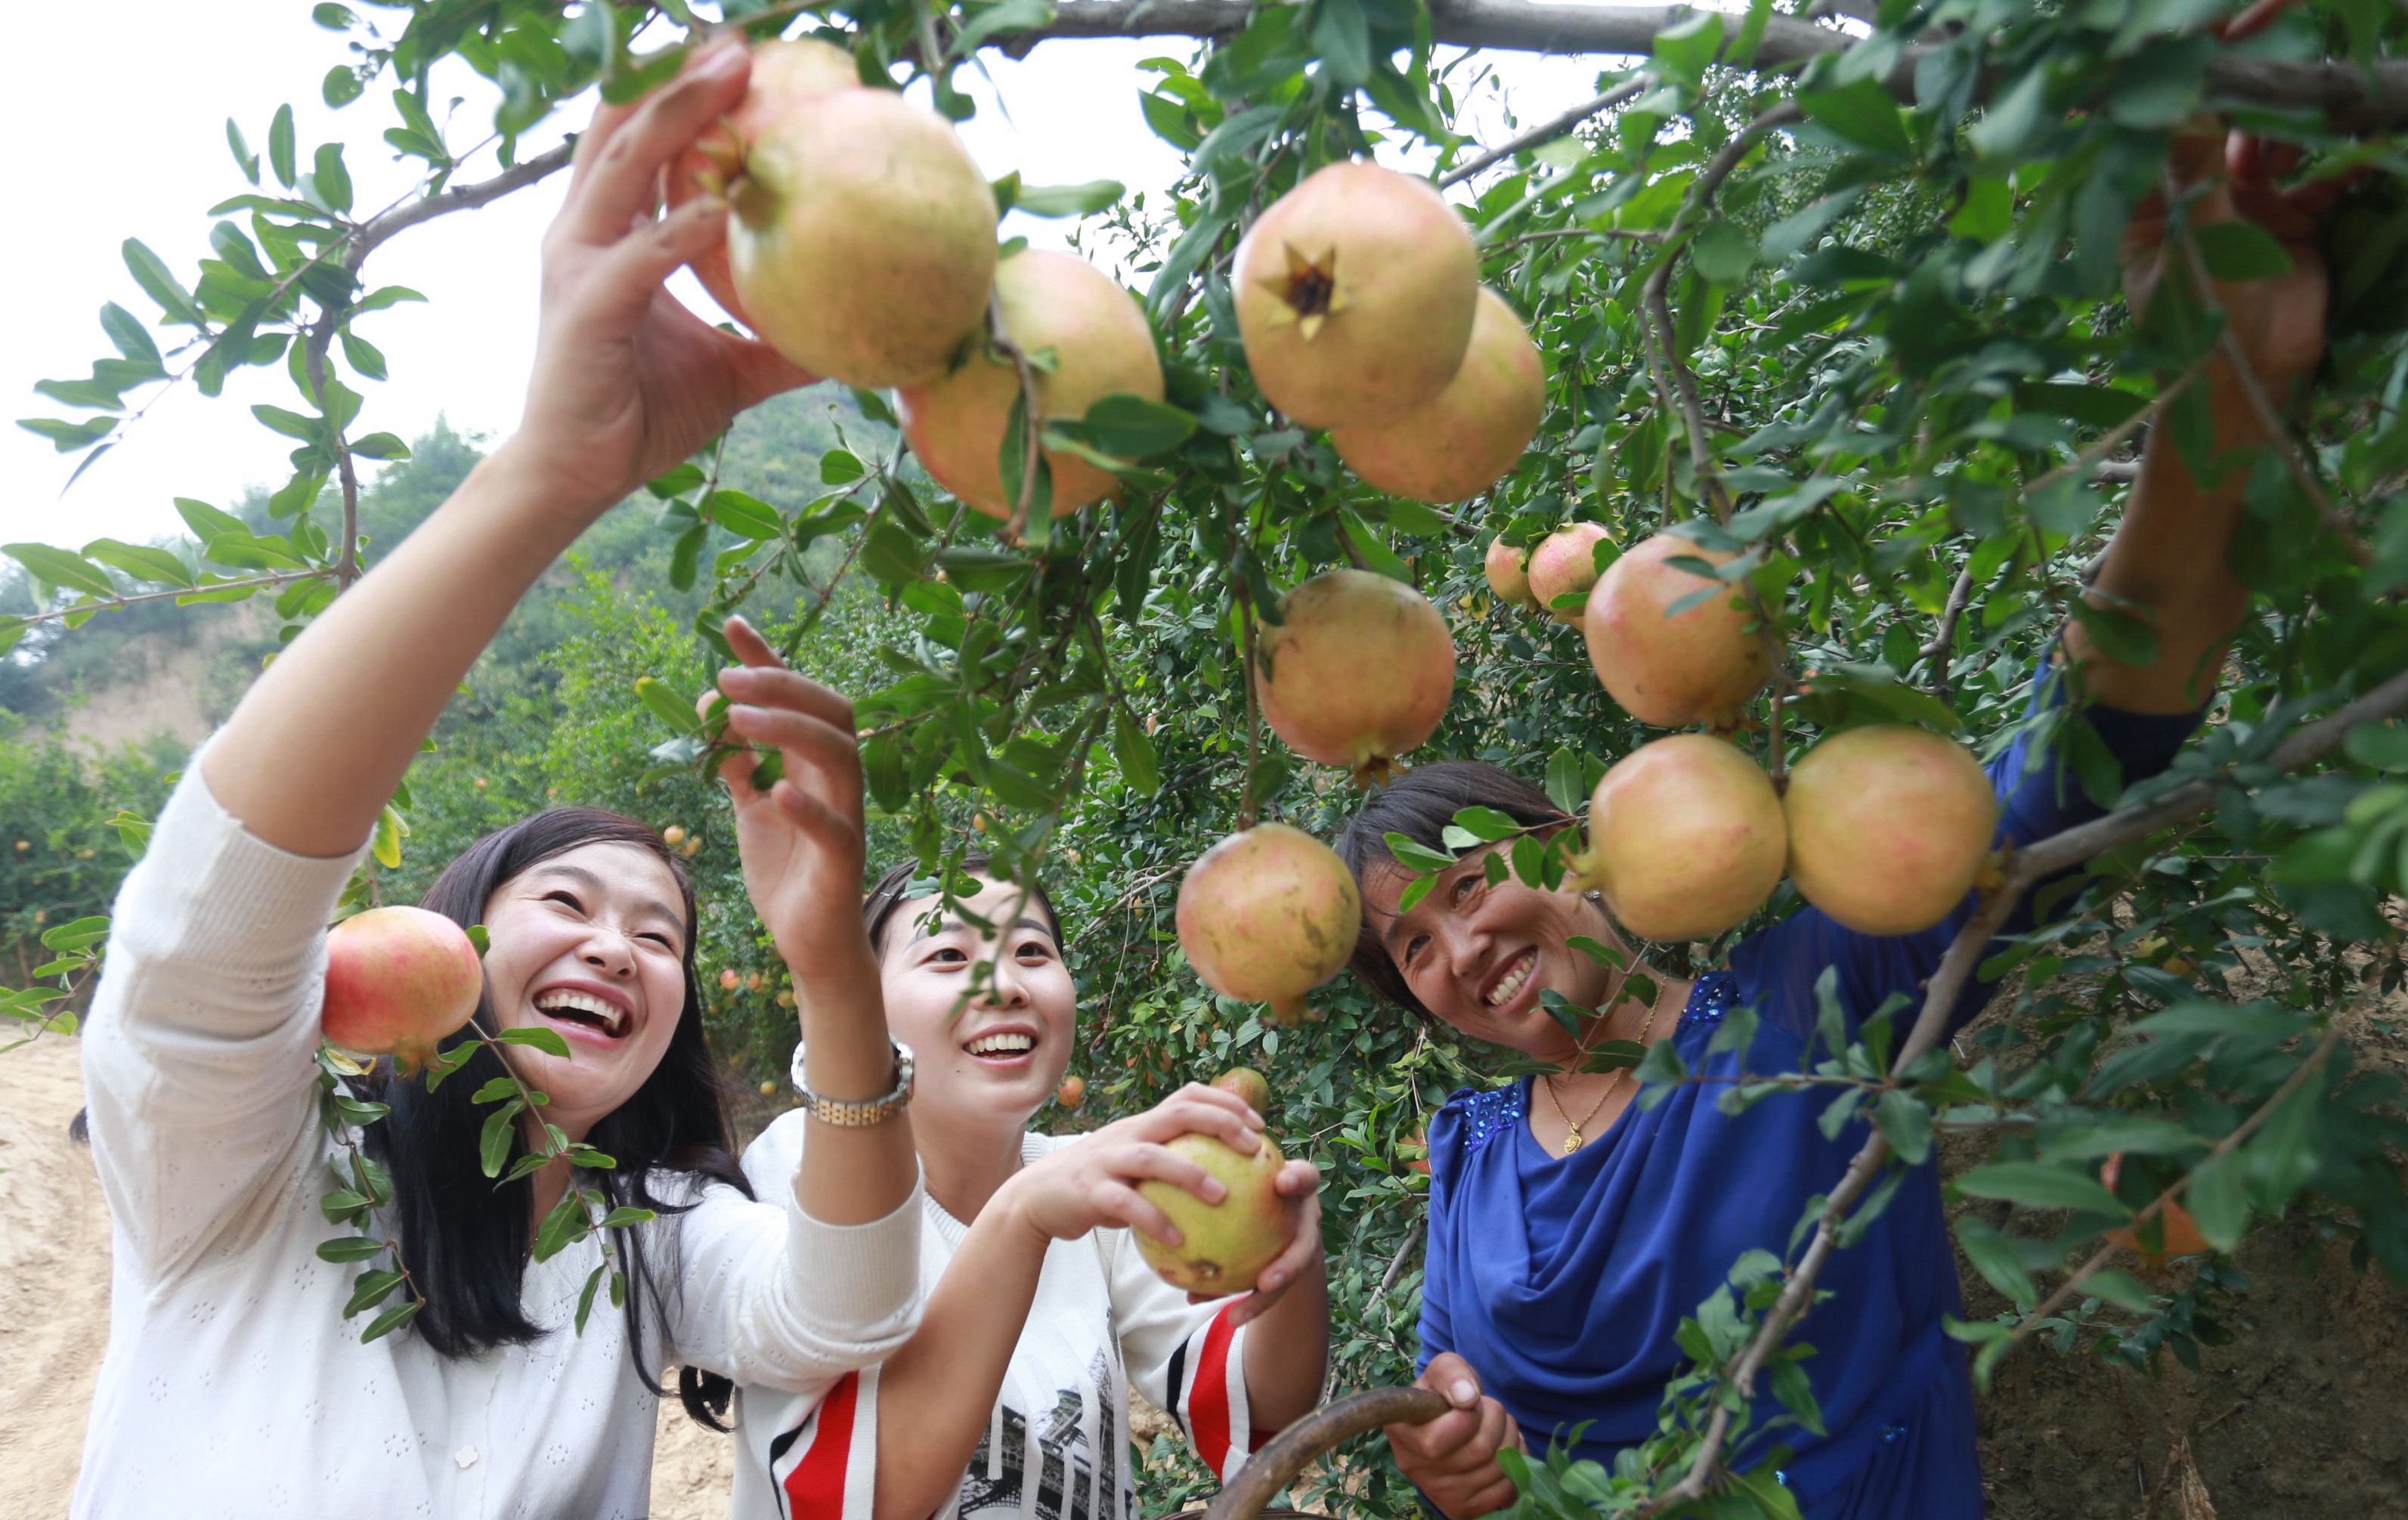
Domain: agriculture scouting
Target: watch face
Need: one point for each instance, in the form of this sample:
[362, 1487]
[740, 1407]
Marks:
[904, 1065]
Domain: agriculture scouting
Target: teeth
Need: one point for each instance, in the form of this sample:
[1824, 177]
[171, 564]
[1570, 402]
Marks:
[563, 1000]
[1514, 978]
[1001, 1044]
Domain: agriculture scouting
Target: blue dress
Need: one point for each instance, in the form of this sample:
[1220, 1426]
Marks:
[1562, 1280]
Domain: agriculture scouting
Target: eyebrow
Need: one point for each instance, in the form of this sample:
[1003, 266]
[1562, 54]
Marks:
[948, 925]
[594, 884]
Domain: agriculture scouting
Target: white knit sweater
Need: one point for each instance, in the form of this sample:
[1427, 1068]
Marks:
[234, 1387]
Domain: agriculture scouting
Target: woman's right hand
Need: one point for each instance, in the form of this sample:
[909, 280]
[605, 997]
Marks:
[1453, 1458]
[1091, 1185]
[626, 381]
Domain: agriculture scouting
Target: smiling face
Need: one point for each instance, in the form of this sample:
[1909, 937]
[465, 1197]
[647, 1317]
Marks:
[1479, 956]
[995, 1062]
[590, 944]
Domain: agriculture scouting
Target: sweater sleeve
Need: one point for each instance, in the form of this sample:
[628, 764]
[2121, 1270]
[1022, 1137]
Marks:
[199, 1055]
[2037, 796]
[770, 1296]
[1188, 1359]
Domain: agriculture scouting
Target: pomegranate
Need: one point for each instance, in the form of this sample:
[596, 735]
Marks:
[1509, 575]
[1564, 563]
[782, 70]
[1685, 838]
[1249, 1086]
[1072, 1093]
[1224, 1245]
[862, 237]
[1356, 291]
[1358, 670]
[1460, 441]
[1699, 665]
[1100, 345]
[1268, 915]
[398, 980]
[1889, 825]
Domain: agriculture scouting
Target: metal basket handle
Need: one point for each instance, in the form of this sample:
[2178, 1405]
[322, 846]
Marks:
[1292, 1450]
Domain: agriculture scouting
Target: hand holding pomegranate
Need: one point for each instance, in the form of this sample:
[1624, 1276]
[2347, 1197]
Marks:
[1453, 1458]
[626, 381]
[1095, 1183]
[801, 839]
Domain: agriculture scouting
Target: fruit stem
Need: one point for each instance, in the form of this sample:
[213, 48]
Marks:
[754, 203]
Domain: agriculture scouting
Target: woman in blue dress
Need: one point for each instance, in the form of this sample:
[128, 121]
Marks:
[1571, 1230]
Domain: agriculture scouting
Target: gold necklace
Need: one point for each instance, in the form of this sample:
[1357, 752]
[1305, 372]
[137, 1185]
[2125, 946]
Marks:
[1572, 1140]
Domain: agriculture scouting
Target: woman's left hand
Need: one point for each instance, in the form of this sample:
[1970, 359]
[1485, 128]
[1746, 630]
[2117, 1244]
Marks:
[1299, 1183]
[801, 838]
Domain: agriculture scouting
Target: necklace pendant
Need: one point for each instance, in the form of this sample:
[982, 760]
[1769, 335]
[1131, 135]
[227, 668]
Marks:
[1572, 1140]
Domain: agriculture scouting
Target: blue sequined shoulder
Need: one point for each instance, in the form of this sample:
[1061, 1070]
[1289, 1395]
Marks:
[1482, 1113]
[1715, 995]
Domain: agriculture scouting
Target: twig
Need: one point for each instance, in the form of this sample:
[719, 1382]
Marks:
[377, 229]
[1936, 650]
[1547, 131]
[281, 577]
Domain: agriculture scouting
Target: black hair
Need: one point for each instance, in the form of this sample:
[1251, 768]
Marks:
[1419, 805]
[894, 889]
[465, 1239]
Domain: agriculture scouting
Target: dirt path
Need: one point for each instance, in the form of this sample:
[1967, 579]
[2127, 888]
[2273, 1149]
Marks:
[54, 1307]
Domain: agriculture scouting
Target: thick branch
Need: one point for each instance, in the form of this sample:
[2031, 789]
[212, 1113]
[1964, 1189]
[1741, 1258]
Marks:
[458, 198]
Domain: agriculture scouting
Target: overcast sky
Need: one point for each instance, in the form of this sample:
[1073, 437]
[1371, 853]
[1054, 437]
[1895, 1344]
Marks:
[130, 141]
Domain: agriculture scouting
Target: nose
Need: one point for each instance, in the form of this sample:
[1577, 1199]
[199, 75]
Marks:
[1466, 950]
[1007, 990]
[609, 953]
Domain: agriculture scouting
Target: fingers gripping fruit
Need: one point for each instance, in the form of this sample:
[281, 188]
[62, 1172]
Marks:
[398, 980]
[1225, 1246]
[1268, 915]
[1564, 563]
[1459, 442]
[782, 71]
[1358, 670]
[1889, 826]
[1698, 665]
[1685, 838]
[862, 235]
[1356, 292]
[1100, 345]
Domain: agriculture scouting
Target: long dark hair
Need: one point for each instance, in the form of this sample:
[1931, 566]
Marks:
[894, 889]
[463, 1238]
[1419, 805]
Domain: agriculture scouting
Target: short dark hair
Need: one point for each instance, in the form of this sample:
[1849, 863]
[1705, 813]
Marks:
[894, 889]
[1419, 805]
[465, 1239]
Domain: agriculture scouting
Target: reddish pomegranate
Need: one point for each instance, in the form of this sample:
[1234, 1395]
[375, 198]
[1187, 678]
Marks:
[1356, 291]
[1685, 838]
[1072, 1093]
[782, 70]
[1358, 670]
[1268, 915]
[398, 980]
[1509, 575]
[862, 237]
[1460, 441]
[1889, 825]
[1699, 665]
[1564, 563]
[1100, 345]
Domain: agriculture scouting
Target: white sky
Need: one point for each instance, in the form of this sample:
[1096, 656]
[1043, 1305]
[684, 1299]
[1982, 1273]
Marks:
[145, 156]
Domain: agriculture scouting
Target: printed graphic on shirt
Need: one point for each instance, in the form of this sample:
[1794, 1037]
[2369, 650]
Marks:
[1073, 1479]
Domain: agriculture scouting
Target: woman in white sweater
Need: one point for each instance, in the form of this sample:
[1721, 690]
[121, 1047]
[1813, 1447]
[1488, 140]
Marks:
[1012, 1398]
[233, 1385]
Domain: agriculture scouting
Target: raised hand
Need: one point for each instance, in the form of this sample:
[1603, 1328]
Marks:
[1453, 1458]
[1093, 1185]
[626, 381]
[801, 838]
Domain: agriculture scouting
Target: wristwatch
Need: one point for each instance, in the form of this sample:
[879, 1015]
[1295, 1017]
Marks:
[861, 1115]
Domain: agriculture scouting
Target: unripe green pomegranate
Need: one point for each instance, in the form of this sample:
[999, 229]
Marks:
[1225, 1246]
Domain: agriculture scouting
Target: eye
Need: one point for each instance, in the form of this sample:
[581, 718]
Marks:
[566, 897]
[662, 941]
[1414, 947]
[1037, 950]
[1465, 885]
[948, 956]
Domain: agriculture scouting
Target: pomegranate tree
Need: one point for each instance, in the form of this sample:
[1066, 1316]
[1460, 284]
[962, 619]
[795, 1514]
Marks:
[1100, 345]
[1358, 671]
[1460, 441]
[862, 237]
[1889, 826]
[1356, 292]
[1269, 915]
[1224, 1245]
[784, 70]
[1509, 575]
[1564, 564]
[398, 980]
[1685, 838]
[1698, 665]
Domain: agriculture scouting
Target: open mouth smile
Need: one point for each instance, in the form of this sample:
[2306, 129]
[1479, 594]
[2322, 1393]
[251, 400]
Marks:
[1009, 1047]
[598, 1015]
[1510, 982]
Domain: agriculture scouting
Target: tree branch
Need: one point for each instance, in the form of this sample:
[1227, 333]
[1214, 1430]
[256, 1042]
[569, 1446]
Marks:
[112, 604]
[377, 229]
[1546, 131]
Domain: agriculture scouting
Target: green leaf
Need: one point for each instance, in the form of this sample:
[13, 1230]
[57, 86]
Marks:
[1862, 114]
[2219, 1200]
[1993, 1255]
[1135, 753]
[2283, 1157]
[385, 844]
[668, 706]
[332, 181]
[280, 146]
[152, 274]
[127, 333]
[842, 466]
[2240, 252]
[349, 1248]
[1132, 427]
[338, 89]
[1565, 784]
[55, 566]
[593, 1279]
[1412, 852]
[370, 1289]
[546, 1040]
[1069, 200]
[2033, 1185]
[1906, 1124]
[1486, 823]
[747, 517]
[1723, 251]
[390, 1320]
[501, 1127]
